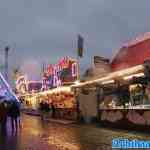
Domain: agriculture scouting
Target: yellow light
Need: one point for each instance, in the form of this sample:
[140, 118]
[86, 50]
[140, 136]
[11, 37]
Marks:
[133, 75]
[77, 82]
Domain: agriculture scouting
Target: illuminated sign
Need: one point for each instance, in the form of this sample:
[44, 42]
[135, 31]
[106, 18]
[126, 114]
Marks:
[62, 72]
[21, 85]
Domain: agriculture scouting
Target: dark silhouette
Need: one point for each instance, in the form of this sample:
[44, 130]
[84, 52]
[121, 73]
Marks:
[46, 107]
[53, 110]
[14, 113]
[3, 116]
[42, 110]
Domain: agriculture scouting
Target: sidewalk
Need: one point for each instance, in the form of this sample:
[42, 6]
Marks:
[30, 111]
[48, 118]
[60, 121]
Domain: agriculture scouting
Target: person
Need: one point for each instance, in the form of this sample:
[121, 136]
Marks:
[46, 109]
[3, 116]
[14, 112]
[42, 110]
[53, 110]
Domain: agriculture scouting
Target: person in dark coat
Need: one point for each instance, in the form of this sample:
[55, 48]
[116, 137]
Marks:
[53, 110]
[14, 113]
[42, 110]
[3, 116]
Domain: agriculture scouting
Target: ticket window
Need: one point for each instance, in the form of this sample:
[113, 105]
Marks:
[136, 94]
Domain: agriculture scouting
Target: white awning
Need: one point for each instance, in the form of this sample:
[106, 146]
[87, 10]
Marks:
[113, 75]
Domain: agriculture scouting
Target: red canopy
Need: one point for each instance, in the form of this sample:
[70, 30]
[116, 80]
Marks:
[132, 54]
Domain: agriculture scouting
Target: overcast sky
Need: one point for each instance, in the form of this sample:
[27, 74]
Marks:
[45, 30]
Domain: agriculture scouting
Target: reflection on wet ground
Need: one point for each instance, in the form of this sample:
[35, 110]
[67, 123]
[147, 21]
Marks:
[37, 135]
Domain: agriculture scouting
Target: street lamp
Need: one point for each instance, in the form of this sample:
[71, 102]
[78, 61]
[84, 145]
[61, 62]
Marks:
[6, 62]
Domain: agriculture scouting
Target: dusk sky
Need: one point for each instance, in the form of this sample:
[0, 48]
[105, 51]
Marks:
[45, 30]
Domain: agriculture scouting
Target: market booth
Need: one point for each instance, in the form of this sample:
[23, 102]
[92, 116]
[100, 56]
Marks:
[57, 79]
[123, 96]
[62, 98]
[64, 101]
[53, 89]
[125, 102]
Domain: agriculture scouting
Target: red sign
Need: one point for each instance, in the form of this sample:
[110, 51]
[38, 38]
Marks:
[64, 71]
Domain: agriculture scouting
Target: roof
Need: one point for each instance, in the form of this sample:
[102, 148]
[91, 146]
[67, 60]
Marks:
[138, 39]
[135, 53]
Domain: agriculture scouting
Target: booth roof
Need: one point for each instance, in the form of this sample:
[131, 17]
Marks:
[111, 76]
[133, 53]
[138, 39]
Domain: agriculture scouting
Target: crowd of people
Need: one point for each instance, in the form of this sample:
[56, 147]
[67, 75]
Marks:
[9, 109]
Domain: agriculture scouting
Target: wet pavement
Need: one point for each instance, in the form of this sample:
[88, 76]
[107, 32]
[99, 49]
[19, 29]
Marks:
[37, 135]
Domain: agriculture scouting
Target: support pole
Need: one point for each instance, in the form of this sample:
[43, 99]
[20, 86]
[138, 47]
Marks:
[78, 69]
[6, 62]
[100, 95]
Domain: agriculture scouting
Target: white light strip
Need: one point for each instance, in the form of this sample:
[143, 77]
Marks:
[107, 82]
[58, 89]
[77, 82]
[112, 75]
[134, 75]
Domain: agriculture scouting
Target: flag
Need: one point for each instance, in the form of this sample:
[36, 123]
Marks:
[80, 46]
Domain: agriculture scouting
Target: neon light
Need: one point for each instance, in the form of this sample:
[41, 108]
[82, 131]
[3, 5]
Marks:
[54, 72]
[74, 69]
[21, 81]
[20, 78]
[8, 89]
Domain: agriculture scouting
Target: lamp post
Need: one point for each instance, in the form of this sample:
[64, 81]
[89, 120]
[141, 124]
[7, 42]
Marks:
[6, 62]
[99, 94]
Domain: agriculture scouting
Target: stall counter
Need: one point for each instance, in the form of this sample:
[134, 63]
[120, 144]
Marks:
[129, 118]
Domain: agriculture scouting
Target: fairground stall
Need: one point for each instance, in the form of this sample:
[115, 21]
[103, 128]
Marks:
[55, 89]
[122, 96]
[63, 100]
[124, 100]
[56, 83]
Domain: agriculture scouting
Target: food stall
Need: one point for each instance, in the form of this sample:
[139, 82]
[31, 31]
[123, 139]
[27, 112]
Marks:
[53, 89]
[63, 100]
[123, 98]
[56, 82]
